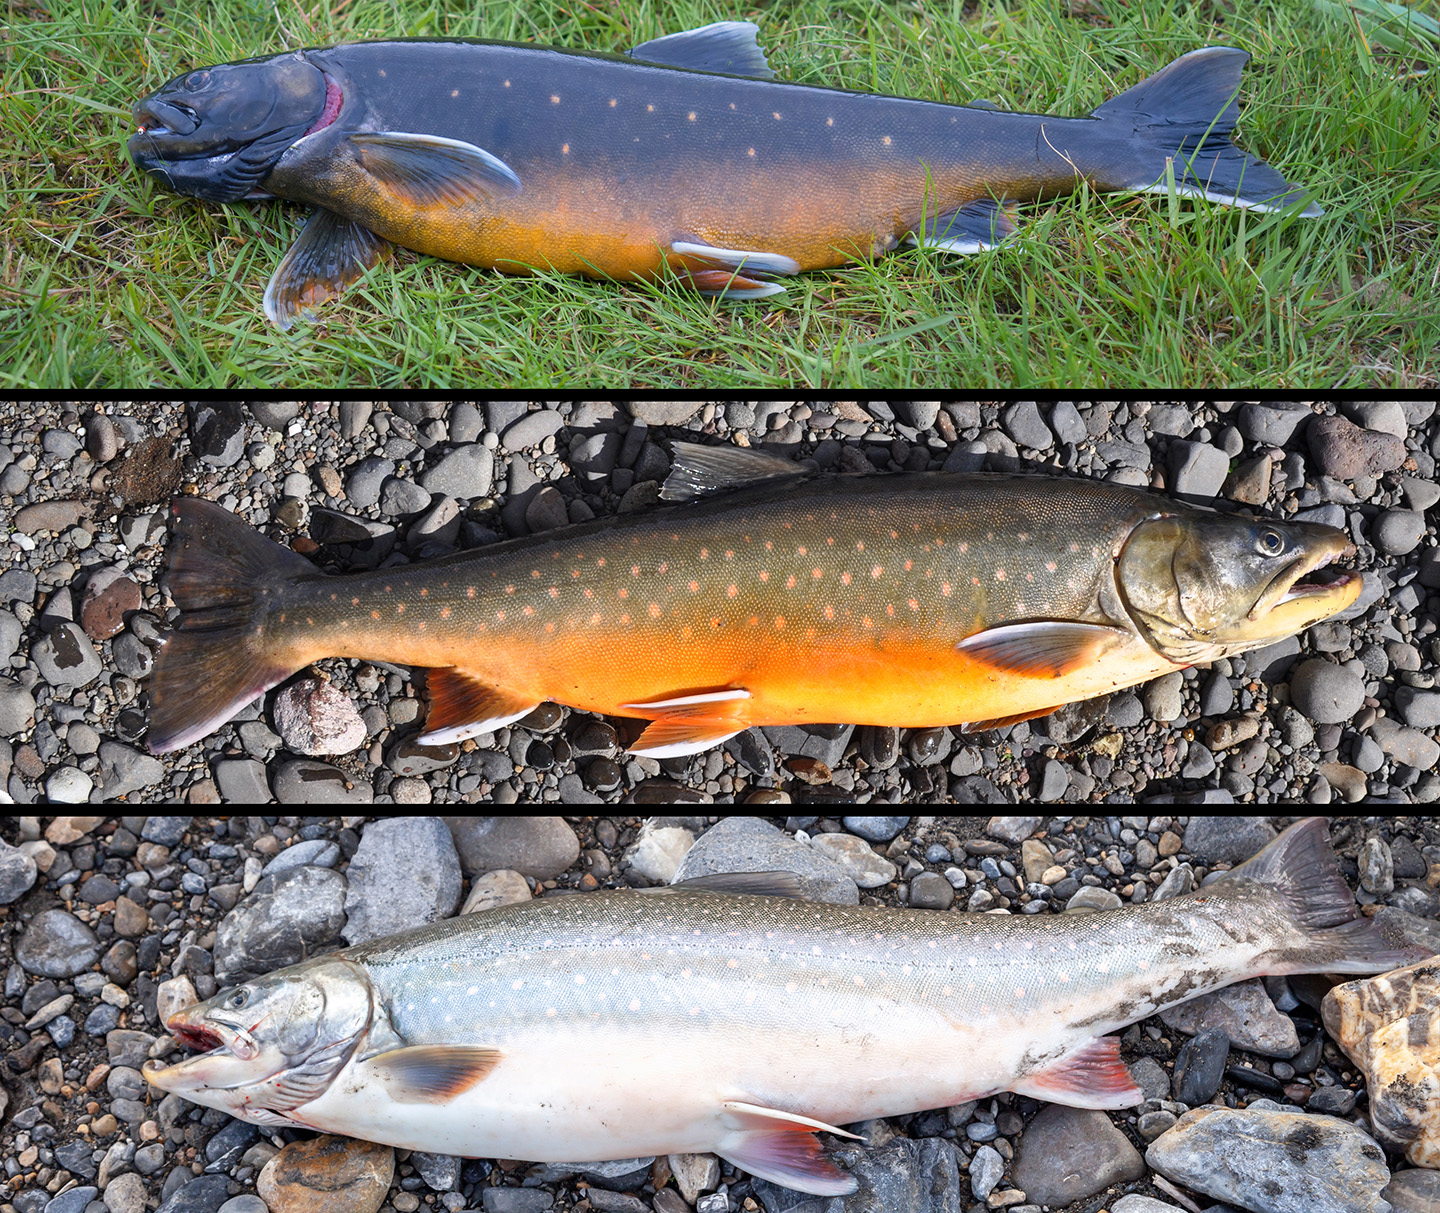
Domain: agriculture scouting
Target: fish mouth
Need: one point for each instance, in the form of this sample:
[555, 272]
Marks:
[1302, 579]
[212, 1035]
[158, 118]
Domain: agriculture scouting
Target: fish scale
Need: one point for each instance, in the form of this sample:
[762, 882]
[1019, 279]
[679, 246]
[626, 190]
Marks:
[915, 600]
[627, 1024]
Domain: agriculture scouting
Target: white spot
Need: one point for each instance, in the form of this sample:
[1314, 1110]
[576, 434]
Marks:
[634, 1004]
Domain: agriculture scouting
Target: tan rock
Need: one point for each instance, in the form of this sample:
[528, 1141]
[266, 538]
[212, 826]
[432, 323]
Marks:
[65, 830]
[1389, 1026]
[1035, 858]
[327, 1175]
[500, 888]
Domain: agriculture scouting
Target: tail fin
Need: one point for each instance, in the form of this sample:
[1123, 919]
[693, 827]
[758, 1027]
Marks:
[1186, 112]
[224, 576]
[1299, 867]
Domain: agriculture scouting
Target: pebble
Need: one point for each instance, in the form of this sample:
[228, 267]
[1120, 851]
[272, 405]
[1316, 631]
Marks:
[748, 844]
[1226, 840]
[57, 944]
[1197, 469]
[658, 850]
[494, 889]
[539, 847]
[305, 781]
[316, 718]
[66, 658]
[327, 1175]
[1276, 1161]
[1245, 1013]
[532, 429]
[1067, 1154]
[515, 1200]
[986, 1168]
[17, 708]
[362, 486]
[404, 874]
[1200, 1066]
[695, 1174]
[931, 891]
[1325, 692]
[242, 781]
[69, 785]
[290, 915]
[17, 873]
[125, 1194]
[1012, 829]
[1022, 421]
[1345, 451]
[124, 769]
[1412, 1191]
[1377, 869]
[109, 595]
[857, 858]
[466, 473]
[1134, 1202]
[875, 829]
[1398, 532]
[1090, 899]
[1419, 709]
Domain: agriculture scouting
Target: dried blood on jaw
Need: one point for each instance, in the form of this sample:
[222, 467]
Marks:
[200, 1039]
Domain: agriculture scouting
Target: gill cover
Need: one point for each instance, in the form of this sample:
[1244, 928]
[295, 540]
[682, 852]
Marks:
[1201, 586]
[215, 133]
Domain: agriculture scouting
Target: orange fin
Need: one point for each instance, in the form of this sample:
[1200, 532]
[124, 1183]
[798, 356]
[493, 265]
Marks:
[730, 273]
[462, 706]
[687, 724]
[1044, 648]
[331, 254]
[432, 1074]
[1095, 1077]
[1000, 722]
[781, 1147]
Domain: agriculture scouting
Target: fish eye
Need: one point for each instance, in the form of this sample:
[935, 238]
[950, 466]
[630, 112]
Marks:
[195, 81]
[1270, 542]
[238, 999]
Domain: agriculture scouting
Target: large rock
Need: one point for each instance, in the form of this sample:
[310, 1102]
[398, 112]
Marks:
[57, 944]
[404, 874]
[1244, 1013]
[747, 844]
[1274, 1161]
[327, 1175]
[289, 916]
[540, 847]
[1067, 1154]
[1231, 840]
[1389, 1026]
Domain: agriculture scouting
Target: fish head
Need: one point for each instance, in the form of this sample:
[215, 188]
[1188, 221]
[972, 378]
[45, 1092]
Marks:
[1203, 586]
[215, 133]
[271, 1044]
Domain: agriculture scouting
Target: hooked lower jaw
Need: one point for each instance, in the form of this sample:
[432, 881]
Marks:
[1291, 594]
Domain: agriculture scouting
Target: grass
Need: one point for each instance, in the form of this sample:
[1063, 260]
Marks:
[108, 281]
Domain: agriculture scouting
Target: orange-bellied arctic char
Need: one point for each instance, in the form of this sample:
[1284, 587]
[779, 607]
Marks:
[684, 156]
[910, 600]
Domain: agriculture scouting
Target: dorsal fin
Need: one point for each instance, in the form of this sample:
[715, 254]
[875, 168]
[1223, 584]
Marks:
[701, 470]
[726, 46]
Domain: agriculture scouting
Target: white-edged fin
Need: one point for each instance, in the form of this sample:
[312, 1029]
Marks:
[463, 705]
[1093, 1077]
[331, 254]
[431, 1074]
[756, 884]
[428, 169]
[731, 47]
[700, 470]
[781, 1147]
[678, 739]
[1044, 648]
[1311, 211]
[735, 259]
[681, 701]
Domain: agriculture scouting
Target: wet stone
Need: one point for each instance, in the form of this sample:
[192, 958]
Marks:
[66, 658]
[304, 781]
[410, 757]
[109, 595]
[1200, 1066]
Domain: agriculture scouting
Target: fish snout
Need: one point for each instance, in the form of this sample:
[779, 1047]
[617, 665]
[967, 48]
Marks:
[154, 116]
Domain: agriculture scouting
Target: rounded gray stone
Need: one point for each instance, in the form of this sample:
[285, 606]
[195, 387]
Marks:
[875, 829]
[57, 944]
[286, 917]
[66, 658]
[1398, 532]
[1325, 692]
[1419, 709]
[404, 874]
[362, 486]
[540, 847]
[465, 473]
[17, 873]
[1067, 1154]
[1197, 469]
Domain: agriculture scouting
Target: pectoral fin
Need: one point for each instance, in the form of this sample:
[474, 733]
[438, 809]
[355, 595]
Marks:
[428, 169]
[731, 274]
[975, 227]
[1043, 648]
[431, 1074]
[1095, 1077]
[687, 724]
[726, 46]
[781, 1147]
[462, 706]
[331, 254]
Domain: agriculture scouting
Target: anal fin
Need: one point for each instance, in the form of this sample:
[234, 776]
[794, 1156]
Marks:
[462, 705]
[1000, 722]
[331, 254]
[689, 723]
[1093, 1077]
[431, 1074]
[781, 1147]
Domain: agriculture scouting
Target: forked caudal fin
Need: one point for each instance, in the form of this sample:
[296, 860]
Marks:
[225, 577]
[1300, 868]
[1184, 114]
